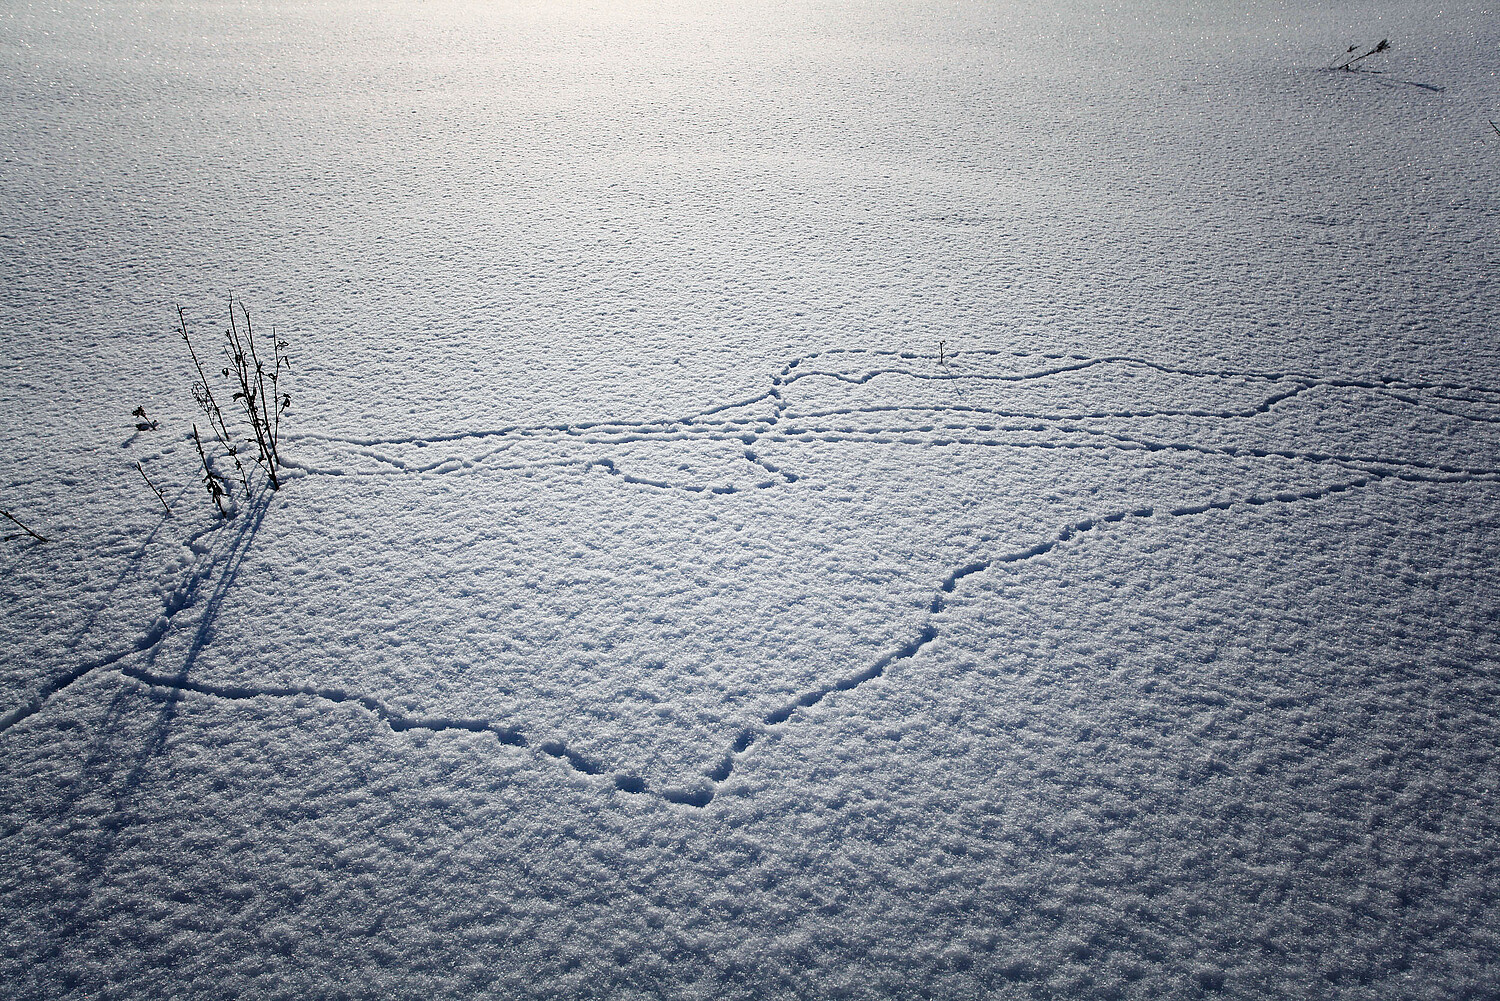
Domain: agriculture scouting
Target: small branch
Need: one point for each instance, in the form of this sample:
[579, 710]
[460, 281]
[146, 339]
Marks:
[1348, 64]
[1495, 127]
[267, 426]
[210, 478]
[23, 528]
[250, 375]
[204, 394]
[154, 487]
[256, 396]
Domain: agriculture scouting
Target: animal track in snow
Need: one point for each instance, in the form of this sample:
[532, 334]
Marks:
[719, 424]
[701, 791]
[954, 423]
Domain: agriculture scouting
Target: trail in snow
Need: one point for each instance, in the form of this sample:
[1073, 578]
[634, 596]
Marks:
[702, 790]
[231, 542]
[780, 426]
[229, 548]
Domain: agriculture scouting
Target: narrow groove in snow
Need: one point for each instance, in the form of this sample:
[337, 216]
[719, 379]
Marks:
[701, 791]
[689, 427]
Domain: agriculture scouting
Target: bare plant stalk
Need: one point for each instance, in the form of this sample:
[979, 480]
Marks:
[153, 486]
[210, 478]
[23, 528]
[250, 373]
[1348, 64]
[260, 395]
[204, 394]
[256, 391]
[280, 401]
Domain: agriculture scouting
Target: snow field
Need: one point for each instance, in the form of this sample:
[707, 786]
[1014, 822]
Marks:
[653, 631]
[650, 612]
[1049, 825]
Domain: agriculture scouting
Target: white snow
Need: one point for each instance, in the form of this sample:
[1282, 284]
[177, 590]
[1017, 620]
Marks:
[821, 500]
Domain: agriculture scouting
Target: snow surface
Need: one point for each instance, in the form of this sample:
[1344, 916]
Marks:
[818, 500]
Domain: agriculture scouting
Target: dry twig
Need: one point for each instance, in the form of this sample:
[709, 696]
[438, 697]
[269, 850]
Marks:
[155, 488]
[23, 528]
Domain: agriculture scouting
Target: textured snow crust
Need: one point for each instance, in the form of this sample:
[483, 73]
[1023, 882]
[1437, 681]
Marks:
[824, 501]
